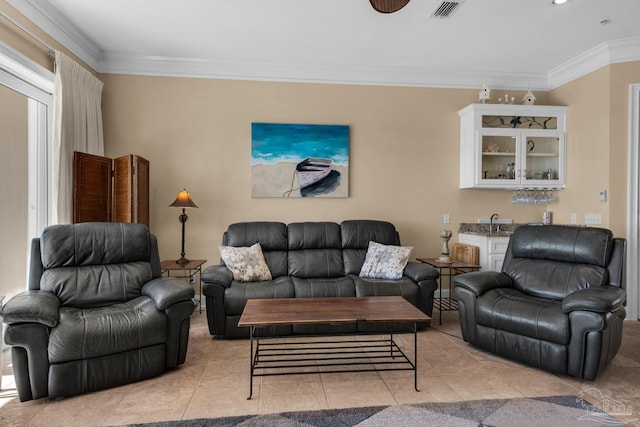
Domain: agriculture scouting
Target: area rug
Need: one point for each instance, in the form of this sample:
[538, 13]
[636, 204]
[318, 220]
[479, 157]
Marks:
[543, 411]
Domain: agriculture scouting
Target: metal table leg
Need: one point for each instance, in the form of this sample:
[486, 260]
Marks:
[251, 361]
[415, 355]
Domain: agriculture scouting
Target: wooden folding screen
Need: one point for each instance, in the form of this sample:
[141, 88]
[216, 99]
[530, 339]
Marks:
[110, 190]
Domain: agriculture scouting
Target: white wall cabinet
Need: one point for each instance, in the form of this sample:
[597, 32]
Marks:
[512, 146]
[492, 249]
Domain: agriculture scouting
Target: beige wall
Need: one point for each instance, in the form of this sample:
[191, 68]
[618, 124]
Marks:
[622, 75]
[404, 150]
[587, 147]
[13, 191]
[404, 155]
[597, 143]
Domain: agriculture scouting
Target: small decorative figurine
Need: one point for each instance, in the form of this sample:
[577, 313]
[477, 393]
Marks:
[485, 93]
[529, 99]
[445, 235]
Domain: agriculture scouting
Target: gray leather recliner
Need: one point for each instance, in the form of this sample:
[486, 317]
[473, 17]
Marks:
[97, 312]
[558, 303]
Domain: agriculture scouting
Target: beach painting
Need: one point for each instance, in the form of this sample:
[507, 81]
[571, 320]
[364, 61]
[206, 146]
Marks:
[299, 160]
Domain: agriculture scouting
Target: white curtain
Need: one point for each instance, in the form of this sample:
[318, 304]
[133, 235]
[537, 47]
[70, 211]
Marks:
[77, 127]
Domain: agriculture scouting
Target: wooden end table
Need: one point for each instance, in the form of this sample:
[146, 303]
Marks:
[189, 270]
[448, 269]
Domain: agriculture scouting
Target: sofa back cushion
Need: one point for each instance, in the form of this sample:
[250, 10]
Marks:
[356, 235]
[272, 237]
[554, 261]
[315, 250]
[95, 264]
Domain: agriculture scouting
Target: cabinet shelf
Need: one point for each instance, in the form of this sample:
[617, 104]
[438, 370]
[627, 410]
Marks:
[505, 154]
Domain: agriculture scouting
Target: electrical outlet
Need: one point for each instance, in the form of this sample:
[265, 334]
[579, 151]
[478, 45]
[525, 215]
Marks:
[592, 218]
[446, 218]
[574, 218]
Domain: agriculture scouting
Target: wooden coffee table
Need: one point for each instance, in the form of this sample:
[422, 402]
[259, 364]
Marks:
[291, 355]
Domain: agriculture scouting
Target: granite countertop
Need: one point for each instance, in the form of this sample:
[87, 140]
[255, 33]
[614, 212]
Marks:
[505, 230]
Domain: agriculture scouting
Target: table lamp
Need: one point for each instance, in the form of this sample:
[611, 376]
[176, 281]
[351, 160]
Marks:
[183, 201]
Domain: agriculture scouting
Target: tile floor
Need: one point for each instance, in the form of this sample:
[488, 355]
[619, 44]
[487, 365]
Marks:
[214, 382]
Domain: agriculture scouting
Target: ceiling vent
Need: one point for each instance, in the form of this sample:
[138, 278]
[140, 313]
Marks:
[446, 8]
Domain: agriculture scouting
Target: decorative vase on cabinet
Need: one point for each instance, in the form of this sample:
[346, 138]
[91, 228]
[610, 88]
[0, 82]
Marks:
[512, 146]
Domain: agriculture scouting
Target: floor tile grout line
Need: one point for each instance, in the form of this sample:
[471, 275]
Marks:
[193, 392]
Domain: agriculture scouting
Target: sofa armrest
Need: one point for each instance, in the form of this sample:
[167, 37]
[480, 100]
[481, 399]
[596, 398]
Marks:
[418, 271]
[218, 274]
[32, 307]
[599, 299]
[479, 282]
[166, 291]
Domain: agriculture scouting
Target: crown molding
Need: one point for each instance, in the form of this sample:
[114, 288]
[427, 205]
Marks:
[49, 19]
[613, 52]
[317, 73]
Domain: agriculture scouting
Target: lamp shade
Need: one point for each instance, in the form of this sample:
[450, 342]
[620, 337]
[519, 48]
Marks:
[183, 200]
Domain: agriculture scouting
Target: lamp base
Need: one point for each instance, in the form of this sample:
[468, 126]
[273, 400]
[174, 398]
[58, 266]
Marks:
[182, 260]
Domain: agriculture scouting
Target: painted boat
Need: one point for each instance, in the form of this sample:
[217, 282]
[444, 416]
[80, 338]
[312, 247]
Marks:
[312, 170]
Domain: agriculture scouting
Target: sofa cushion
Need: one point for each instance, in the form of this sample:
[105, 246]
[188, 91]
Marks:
[324, 288]
[272, 237]
[553, 279]
[67, 245]
[314, 250]
[236, 296]
[94, 332]
[356, 235]
[246, 263]
[404, 287]
[578, 245]
[511, 310]
[82, 261]
[385, 261]
[96, 285]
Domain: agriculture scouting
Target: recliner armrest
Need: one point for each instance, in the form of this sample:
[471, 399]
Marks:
[218, 274]
[480, 282]
[418, 271]
[166, 291]
[599, 299]
[32, 307]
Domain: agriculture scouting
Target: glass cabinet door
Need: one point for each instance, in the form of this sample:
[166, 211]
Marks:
[498, 159]
[542, 158]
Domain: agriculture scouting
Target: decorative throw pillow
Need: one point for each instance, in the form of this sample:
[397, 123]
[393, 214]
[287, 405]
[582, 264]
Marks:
[246, 263]
[385, 261]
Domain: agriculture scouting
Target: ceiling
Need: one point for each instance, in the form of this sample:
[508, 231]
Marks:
[505, 43]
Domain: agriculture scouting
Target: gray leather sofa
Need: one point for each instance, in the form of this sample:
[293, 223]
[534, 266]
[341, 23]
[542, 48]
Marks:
[310, 259]
[558, 303]
[97, 313]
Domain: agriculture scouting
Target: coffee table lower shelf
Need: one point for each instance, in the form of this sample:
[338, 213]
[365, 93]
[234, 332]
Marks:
[345, 353]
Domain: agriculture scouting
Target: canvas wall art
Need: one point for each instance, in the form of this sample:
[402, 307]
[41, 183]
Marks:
[299, 160]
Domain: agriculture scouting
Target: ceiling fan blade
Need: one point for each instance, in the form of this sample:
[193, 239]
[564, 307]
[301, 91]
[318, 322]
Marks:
[388, 6]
